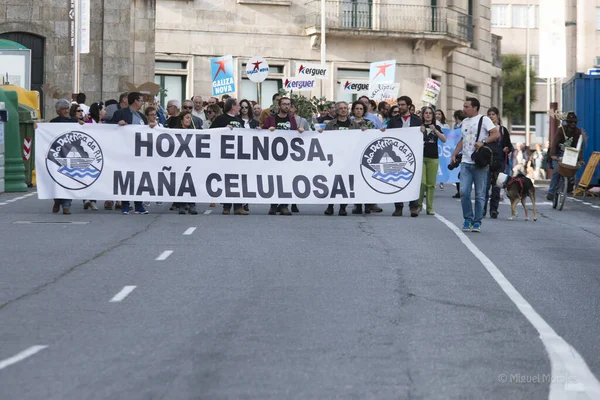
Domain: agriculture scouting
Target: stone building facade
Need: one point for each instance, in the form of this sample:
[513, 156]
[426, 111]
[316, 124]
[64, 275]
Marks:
[449, 40]
[582, 31]
[121, 45]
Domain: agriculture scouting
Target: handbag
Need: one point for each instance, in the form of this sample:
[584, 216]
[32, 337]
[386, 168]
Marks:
[484, 156]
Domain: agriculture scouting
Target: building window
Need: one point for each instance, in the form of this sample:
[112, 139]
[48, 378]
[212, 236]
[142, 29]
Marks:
[172, 78]
[250, 90]
[500, 16]
[357, 13]
[344, 75]
[471, 89]
[519, 17]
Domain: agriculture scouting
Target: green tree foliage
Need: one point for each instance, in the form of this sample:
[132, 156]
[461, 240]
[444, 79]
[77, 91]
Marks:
[514, 73]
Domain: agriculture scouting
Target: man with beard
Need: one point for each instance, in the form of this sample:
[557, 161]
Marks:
[406, 119]
[282, 120]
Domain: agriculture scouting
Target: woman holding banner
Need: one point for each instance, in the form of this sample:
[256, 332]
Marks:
[432, 133]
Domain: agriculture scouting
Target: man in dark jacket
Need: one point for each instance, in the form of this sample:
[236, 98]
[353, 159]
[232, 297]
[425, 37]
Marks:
[130, 115]
[62, 109]
[406, 119]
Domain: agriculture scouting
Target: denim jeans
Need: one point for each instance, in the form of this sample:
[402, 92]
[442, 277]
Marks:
[555, 178]
[66, 203]
[471, 174]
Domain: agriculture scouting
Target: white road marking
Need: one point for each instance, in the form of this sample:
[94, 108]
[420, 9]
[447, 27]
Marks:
[189, 231]
[21, 356]
[573, 198]
[207, 212]
[565, 361]
[164, 255]
[7, 201]
[122, 294]
[595, 206]
[586, 203]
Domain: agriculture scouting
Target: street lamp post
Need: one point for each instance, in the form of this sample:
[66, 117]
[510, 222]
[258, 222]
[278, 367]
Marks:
[323, 45]
[527, 84]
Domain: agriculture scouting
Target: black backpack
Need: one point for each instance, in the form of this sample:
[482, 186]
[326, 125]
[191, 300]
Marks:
[484, 156]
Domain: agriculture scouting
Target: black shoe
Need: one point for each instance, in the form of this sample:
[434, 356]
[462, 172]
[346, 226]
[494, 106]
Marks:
[295, 208]
[273, 211]
[329, 210]
[494, 214]
[357, 210]
[284, 211]
[343, 211]
[181, 210]
[456, 196]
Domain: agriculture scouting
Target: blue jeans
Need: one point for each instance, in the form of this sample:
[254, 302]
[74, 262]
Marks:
[471, 174]
[555, 178]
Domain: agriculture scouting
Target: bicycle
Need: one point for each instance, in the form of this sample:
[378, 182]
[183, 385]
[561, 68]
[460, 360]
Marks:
[565, 172]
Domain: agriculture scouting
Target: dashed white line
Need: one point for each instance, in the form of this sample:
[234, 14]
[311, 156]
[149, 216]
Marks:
[21, 356]
[164, 255]
[190, 230]
[8, 201]
[586, 203]
[207, 212]
[1, 204]
[595, 206]
[122, 294]
[564, 359]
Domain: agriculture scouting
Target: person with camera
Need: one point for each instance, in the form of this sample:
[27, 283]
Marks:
[501, 148]
[477, 131]
[432, 133]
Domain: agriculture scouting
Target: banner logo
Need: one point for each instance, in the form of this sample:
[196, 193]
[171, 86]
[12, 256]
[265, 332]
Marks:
[74, 160]
[314, 71]
[221, 69]
[298, 84]
[356, 87]
[257, 69]
[388, 165]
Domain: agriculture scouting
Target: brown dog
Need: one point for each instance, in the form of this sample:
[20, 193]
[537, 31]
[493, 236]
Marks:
[517, 189]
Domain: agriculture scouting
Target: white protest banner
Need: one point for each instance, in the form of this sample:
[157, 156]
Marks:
[382, 72]
[135, 162]
[299, 84]
[354, 87]
[431, 93]
[387, 92]
[257, 69]
[316, 71]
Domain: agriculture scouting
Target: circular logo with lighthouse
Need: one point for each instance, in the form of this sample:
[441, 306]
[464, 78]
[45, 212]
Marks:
[74, 160]
[388, 165]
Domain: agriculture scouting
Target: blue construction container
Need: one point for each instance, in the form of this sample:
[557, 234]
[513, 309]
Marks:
[582, 95]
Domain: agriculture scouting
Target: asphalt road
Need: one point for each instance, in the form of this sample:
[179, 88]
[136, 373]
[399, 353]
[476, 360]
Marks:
[301, 307]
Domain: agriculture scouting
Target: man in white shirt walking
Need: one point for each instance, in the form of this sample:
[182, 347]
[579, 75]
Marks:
[475, 135]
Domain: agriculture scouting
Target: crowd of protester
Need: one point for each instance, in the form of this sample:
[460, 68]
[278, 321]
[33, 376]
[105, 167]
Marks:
[364, 113]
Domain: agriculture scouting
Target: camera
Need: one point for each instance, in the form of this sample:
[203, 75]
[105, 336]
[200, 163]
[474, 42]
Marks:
[455, 164]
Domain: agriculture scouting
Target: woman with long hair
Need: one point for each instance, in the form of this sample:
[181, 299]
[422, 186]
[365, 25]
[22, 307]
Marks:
[432, 133]
[76, 112]
[500, 149]
[184, 121]
[97, 113]
[441, 118]
[246, 114]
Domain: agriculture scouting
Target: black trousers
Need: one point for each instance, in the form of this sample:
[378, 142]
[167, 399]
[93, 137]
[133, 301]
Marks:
[411, 204]
[492, 192]
[227, 206]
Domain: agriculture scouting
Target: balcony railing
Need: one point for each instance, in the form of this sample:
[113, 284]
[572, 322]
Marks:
[496, 51]
[370, 16]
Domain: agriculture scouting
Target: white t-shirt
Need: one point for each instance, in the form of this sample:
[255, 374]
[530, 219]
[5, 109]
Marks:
[469, 133]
